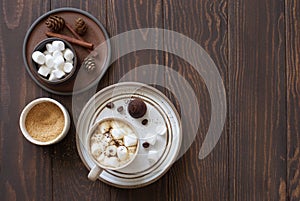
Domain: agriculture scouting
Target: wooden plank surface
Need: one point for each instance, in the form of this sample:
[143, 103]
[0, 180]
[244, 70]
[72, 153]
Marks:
[292, 12]
[205, 22]
[25, 169]
[257, 100]
[255, 46]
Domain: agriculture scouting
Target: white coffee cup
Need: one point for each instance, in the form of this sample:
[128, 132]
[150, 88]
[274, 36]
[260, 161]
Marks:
[98, 167]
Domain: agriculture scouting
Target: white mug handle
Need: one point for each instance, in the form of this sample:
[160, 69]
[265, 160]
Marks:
[94, 173]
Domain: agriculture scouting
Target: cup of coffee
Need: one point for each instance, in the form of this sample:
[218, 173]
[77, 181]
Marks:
[112, 144]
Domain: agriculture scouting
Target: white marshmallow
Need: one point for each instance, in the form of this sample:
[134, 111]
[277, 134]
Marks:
[59, 62]
[68, 67]
[96, 149]
[153, 156]
[127, 129]
[49, 48]
[111, 150]
[111, 161]
[58, 73]
[49, 61]
[46, 52]
[52, 77]
[68, 54]
[38, 57]
[58, 45]
[117, 133]
[130, 140]
[116, 124]
[161, 130]
[44, 71]
[100, 157]
[151, 138]
[57, 53]
[104, 127]
[122, 153]
[107, 139]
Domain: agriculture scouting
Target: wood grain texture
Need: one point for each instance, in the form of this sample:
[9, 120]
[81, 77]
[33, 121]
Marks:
[256, 46]
[70, 180]
[126, 16]
[191, 178]
[292, 13]
[257, 100]
[25, 170]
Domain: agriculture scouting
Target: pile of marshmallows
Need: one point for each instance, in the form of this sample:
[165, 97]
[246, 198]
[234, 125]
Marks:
[113, 144]
[56, 61]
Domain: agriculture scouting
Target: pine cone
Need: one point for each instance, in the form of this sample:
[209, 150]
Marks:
[55, 23]
[89, 64]
[80, 26]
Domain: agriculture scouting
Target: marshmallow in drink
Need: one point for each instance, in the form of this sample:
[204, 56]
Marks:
[44, 71]
[161, 130]
[117, 133]
[126, 129]
[58, 45]
[151, 138]
[52, 77]
[58, 73]
[68, 54]
[130, 140]
[38, 57]
[100, 157]
[49, 61]
[115, 124]
[57, 53]
[111, 161]
[111, 150]
[68, 67]
[96, 149]
[153, 156]
[49, 48]
[122, 153]
[107, 139]
[104, 127]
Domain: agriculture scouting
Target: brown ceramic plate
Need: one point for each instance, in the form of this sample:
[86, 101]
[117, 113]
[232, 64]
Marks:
[95, 34]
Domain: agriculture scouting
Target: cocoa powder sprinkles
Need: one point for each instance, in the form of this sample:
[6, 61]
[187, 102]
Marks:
[45, 121]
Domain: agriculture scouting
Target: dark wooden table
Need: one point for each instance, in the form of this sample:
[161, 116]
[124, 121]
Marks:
[256, 47]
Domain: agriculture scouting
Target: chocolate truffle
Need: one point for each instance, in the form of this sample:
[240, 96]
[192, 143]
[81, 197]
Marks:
[137, 108]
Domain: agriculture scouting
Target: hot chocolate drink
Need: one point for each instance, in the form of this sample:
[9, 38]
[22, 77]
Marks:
[113, 144]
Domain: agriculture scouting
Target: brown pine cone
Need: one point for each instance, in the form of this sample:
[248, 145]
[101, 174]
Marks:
[55, 23]
[80, 26]
[89, 64]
